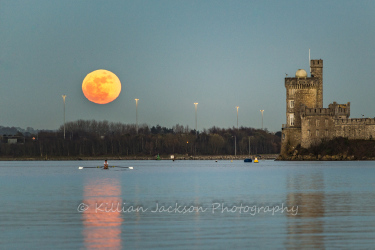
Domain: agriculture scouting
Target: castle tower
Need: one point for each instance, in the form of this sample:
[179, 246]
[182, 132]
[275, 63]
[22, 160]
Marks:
[316, 67]
[301, 91]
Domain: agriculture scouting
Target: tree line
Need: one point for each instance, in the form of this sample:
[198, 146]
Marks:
[90, 138]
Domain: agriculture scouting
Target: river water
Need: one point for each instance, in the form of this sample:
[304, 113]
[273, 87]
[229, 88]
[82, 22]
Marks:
[187, 205]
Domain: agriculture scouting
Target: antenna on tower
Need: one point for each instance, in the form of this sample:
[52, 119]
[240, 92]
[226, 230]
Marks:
[309, 62]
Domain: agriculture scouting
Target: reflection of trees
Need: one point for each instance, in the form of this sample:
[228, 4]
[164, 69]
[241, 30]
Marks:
[102, 229]
[92, 138]
[305, 230]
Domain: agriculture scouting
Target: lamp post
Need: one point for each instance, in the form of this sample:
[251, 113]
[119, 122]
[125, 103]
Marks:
[262, 110]
[237, 116]
[64, 96]
[136, 115]
[196, 131]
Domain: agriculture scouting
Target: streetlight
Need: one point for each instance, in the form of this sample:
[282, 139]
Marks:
[136, 115]
[237, 116]
[63, 96]
[196, 131]
[262, 110]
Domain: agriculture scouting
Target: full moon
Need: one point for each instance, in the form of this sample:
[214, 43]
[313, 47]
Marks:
[101, 86]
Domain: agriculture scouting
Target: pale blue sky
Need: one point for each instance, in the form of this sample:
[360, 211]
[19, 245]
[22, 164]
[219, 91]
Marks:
[170, 54]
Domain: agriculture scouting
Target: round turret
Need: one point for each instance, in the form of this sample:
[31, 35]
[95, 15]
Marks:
[301, 73]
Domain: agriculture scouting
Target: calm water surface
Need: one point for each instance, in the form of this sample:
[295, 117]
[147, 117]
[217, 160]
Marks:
[187, 205]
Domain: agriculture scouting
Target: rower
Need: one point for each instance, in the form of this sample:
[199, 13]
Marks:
[105, 164]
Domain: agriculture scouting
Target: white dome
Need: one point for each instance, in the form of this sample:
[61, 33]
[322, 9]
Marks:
[301, 73]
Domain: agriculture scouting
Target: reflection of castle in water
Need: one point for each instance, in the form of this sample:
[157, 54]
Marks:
[323, 203]
[305, 229]
[102, 229]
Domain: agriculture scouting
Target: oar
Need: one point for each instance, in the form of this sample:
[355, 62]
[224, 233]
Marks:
[88, 167]
[80, 167]
[121, 167]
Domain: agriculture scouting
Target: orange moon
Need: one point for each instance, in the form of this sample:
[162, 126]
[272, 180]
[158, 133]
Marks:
[101, 86]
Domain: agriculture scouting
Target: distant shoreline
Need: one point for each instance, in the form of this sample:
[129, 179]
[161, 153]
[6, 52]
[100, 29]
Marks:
[189, 157]
[324, 158]
[176, 158]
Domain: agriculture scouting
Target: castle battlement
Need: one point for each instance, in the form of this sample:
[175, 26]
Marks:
[355, 121]
[303, 86]
[315, 111]
[301, 83]
[337, 110]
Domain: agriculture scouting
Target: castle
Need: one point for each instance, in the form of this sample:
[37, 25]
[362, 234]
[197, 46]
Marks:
[308, 123]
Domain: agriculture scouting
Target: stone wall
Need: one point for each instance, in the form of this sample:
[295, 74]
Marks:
[316, 127]
[324, 125]
[290, 138]
[355, 128]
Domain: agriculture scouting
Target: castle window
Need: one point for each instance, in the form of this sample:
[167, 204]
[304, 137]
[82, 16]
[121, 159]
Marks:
[291, 119]
[327, 132]
[291, 104]
[317, 123]
[308, 122]
[283, 136]
[326, 122]
[317, 132]
[308, 133]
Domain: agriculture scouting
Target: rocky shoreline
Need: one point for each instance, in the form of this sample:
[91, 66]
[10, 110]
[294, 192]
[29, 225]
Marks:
[337, 149]
[311, 157]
